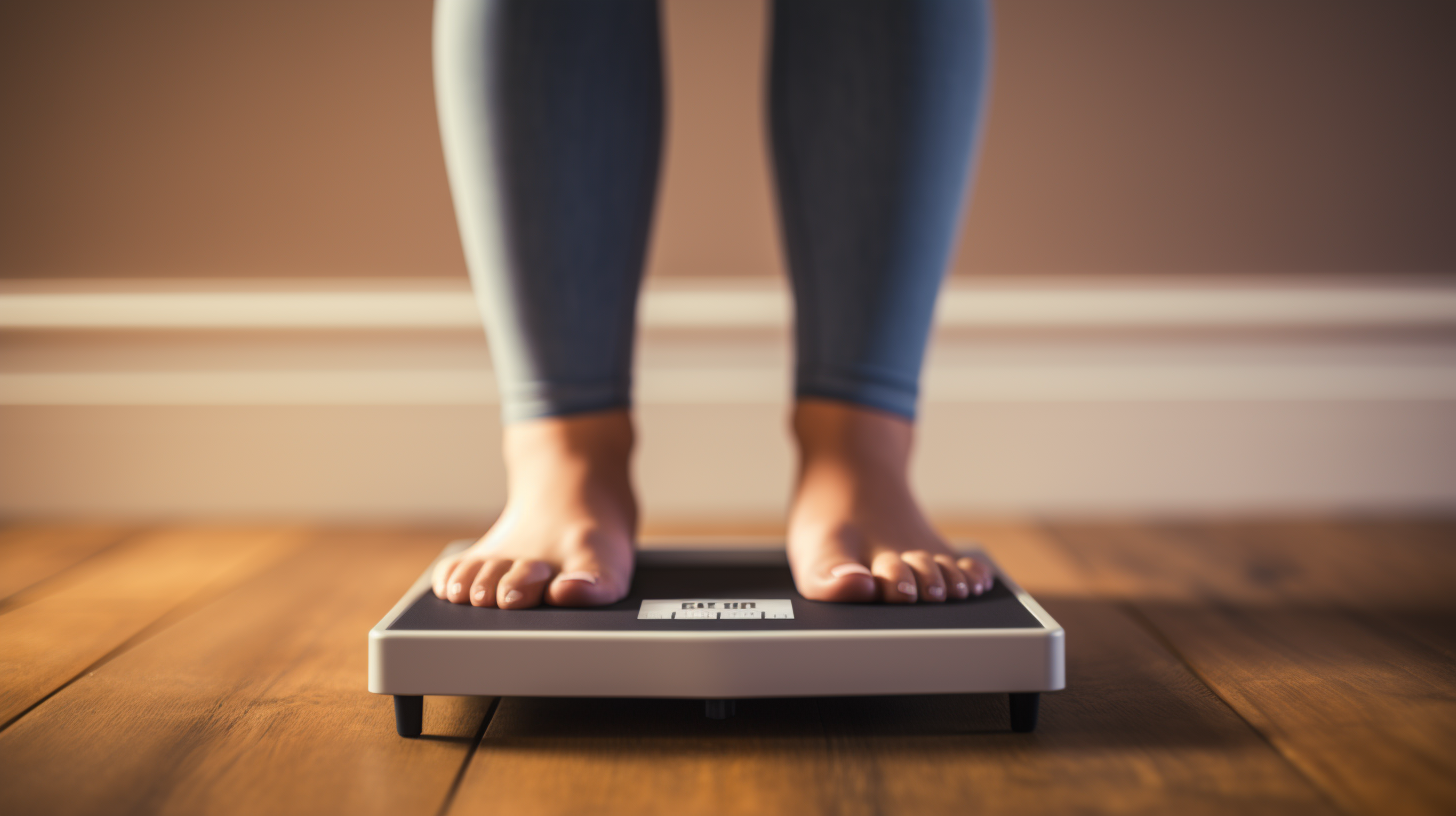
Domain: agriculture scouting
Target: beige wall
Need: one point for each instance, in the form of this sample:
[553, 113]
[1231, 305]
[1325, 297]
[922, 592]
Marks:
[283, 138]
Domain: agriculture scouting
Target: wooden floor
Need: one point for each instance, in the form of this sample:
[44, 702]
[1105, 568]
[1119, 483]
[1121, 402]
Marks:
[1270, 667]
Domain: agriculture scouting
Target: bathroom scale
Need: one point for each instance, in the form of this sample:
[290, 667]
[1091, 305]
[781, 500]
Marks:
[719, 625]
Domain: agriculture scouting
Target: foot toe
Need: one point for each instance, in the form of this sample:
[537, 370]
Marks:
[895, 578]
[483, 588]
[523, 584]
[845, 582]
[957, 586]
[440, 578]
[928, 580]
[978, 573]
[457, 586]
[585, 583]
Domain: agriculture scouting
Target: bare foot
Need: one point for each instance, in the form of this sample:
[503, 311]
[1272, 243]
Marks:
[856, 533]
[566, 534]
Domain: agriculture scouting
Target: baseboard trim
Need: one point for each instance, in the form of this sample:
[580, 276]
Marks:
[353, 411]
[719, 385]
[727, 303]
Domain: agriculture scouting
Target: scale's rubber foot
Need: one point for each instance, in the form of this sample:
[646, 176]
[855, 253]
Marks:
[409, 715]
[1023, 711]
[721, 709]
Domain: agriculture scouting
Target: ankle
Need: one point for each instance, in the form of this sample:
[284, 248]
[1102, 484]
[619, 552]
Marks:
[595, 443]
[842, 434]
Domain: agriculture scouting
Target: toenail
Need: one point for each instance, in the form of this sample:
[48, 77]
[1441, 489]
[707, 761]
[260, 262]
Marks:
[906, 588]
[479, 594]
[455, 588]
[585, 577]
[936, 591]
[849, 569]
[961, 588]
[513, 596]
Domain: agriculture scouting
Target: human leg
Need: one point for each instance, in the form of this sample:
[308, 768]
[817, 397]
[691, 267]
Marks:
[875, 108]
[551, 120]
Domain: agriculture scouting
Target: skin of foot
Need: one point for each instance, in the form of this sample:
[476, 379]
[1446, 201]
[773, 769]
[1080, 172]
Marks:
[566, 536]
[856, 533]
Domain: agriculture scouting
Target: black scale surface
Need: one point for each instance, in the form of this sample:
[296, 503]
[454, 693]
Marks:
[997, 609]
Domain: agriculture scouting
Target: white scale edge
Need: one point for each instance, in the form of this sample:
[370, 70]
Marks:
[717, 609]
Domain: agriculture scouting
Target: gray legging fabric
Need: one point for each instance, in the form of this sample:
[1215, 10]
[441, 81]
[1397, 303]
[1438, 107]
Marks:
[551, 113]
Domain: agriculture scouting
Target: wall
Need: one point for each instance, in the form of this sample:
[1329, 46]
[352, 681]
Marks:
[280, 138]
[1208, 268]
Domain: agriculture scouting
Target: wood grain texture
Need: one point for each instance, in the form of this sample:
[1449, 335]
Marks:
[34, 552]
[1335, 640]
[1254, 668]
[1035, 560]
[115, 596]
[1135, 732]
[255, 703]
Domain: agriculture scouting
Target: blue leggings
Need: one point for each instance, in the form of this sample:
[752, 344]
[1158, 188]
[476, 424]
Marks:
[551, 112]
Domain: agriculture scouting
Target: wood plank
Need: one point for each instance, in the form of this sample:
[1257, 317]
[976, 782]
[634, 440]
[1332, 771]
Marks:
[112, 597]
[254, 703]
[1025, 552]
[1334, 639]
[1135, 732]
[31, 553]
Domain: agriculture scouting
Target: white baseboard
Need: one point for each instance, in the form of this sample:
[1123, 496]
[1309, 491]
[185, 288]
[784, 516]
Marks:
[728, 303]
[1212, 400]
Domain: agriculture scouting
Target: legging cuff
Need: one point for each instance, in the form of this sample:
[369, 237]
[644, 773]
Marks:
[538, 400]
[869, 391]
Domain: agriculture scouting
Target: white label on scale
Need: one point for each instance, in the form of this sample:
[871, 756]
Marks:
[717, 609]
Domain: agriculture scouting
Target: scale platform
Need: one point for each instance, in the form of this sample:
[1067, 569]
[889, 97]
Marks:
[718, 625]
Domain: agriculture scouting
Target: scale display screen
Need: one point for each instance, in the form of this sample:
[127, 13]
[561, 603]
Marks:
[717, 609]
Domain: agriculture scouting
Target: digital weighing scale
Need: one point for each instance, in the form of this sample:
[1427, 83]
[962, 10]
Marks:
[716, 625]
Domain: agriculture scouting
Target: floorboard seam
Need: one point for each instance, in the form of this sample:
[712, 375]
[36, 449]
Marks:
[22, 596]
[1143, 621]
[209, 592]
[469, 755]
[1163, 640]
